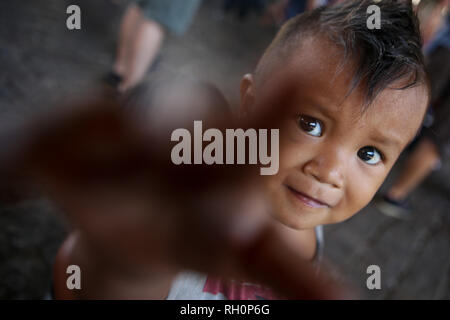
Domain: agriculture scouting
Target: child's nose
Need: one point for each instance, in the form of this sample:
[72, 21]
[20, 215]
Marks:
[327, 169]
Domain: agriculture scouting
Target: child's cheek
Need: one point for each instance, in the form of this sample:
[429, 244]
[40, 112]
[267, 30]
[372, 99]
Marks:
[295, 143]
[291, 131]
[294, 153]
[360, 188]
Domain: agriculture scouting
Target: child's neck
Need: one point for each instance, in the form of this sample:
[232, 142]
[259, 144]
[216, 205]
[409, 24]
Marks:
[304, 240]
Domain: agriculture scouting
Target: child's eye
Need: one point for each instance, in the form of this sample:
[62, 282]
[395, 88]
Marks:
[369, 155]
[310, 125]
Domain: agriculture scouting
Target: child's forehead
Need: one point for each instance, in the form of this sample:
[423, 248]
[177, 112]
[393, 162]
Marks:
[394, 112]
[316, 53]
[314, 65]
[319, 67]
[318, 61]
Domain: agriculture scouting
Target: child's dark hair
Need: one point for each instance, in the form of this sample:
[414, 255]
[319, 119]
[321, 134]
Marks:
[382, 56]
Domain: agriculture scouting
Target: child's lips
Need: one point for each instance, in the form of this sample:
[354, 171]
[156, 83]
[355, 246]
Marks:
[307, 200]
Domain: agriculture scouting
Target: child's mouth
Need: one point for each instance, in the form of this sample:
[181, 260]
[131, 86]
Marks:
[307, 200]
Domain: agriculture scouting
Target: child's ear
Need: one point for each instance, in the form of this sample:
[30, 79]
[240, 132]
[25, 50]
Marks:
[247, 95]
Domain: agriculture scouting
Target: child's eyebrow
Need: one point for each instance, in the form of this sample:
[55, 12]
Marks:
[325, 109]
[386, 140]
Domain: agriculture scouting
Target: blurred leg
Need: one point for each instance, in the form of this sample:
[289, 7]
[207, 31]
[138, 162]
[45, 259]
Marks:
[143, 49]
[419, 164]
[128, 27]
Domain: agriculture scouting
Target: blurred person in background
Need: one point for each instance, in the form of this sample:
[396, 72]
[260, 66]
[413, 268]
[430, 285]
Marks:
[244, 8]
[433, 144]
[273, 11]
[279, 11]
[430, 13]
[141, 35]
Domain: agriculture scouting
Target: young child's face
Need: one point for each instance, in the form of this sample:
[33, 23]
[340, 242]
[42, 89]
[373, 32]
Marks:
[333, 158]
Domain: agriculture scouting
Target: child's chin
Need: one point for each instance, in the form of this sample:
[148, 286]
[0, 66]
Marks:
[298, 220]
[296, 215]
[291, 212]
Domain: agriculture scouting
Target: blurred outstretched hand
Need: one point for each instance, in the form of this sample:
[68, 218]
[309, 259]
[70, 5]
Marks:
[115, 179]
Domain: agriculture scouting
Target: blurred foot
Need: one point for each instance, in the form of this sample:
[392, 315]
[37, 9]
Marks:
[394, 208]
